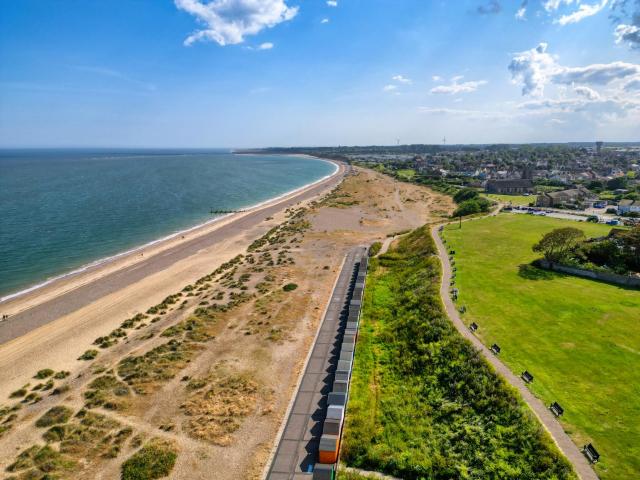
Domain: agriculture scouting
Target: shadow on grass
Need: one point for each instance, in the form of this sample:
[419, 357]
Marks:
[531, 272]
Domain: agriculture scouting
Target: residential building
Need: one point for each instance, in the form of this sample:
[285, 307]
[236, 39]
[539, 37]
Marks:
[573, 198]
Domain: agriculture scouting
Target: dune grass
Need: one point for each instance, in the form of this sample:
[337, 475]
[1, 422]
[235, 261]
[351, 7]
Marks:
[579, 338]
[423, 403]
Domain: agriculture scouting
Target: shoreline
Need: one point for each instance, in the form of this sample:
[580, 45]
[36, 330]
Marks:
[104, 261]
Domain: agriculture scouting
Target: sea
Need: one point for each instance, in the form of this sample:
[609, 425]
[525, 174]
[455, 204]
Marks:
[62, 211]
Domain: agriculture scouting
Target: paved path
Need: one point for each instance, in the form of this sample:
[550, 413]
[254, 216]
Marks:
[564, 442]
[73, 300]
[297, 449]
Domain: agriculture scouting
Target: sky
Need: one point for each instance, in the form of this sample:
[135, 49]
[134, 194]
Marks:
[256, 73]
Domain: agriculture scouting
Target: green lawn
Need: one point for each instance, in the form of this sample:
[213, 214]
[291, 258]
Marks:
[512, 199]
[423, 403]
[579, 338]
[407, 173]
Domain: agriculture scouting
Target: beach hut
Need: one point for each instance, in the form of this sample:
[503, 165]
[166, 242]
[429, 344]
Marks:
[337, 398]
[323, 472]
[345, 355]
[341, 376]
[344, 366]
[328, 451]
[348, 346]
[348, 339]
[340, 386]
[333, 420]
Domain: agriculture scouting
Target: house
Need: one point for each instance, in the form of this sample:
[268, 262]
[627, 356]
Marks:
[516, 186]
[628, 206]
[573, 198]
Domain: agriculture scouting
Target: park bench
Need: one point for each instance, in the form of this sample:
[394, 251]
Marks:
[495, 349]
[591, 453]
[473, 327]
[556, 409]
[527, 377]
[452, 252]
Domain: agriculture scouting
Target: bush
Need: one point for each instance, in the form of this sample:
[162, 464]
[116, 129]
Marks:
[471, 207]
[44, 373]
[465, 194]
[155, 460]
[88, 355]
[375, 248]
[54, 416]
[289, 287]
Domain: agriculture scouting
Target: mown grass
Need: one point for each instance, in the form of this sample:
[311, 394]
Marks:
[424, 404]
[521, 200]
[579, 338]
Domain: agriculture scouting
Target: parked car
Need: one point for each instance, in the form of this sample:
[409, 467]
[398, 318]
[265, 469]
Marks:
[593, 218]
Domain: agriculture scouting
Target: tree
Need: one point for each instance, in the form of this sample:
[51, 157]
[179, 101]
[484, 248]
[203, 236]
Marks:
[556, 244]
[631, 248]
[465, 194]
[617, 183]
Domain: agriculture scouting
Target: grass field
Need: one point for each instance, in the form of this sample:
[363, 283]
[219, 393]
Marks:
[579, 338]
[423, 402]
[512, 199]
[407, 173]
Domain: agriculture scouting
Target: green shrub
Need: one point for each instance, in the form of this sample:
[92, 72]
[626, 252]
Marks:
[55, 415]
[471, 207]
[44, 373]
[375, 248]
[465, 194]
[289, 287]
[155, 460]
[88, 355]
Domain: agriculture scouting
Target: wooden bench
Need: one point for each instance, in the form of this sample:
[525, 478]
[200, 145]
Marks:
[473, 327]
[495, 349]
[527, 377]
[591, 453]
[556, 409]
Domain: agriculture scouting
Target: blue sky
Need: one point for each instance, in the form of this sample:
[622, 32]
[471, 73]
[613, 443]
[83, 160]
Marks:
[234, 73]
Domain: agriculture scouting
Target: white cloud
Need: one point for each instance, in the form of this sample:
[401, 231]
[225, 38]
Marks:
[583, 12]
[390, 88]
[628, 33]
[596, 74]
[332, 3]
[227, 22]
[521, 13]
[534, 69]
[401, 79]
[551, 5]
[265, 46]
[632, 86]
[455, 87]
[587, 92]
[324, 20]
[436, 78]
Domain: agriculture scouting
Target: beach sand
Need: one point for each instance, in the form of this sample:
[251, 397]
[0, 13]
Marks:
[263, 341]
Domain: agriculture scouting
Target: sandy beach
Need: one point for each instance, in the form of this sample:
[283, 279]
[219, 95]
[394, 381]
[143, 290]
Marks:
[249, 331]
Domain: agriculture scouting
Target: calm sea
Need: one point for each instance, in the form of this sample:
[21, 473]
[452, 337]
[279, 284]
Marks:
[63, 209]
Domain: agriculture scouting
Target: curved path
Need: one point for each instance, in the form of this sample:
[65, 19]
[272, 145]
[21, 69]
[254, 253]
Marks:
[564, 442]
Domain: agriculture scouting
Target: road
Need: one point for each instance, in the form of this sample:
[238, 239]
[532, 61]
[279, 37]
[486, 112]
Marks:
[297, 448]
[564, 442]
[66, 303]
